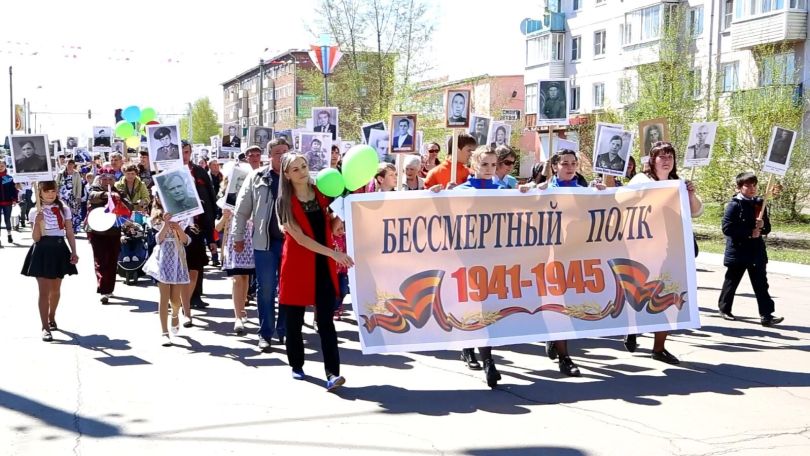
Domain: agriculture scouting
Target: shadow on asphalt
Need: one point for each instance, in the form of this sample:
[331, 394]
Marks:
[56, 418]
[519, 451]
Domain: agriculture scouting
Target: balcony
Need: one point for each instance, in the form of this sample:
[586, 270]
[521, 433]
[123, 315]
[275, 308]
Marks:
[551, 22]
[768, 28]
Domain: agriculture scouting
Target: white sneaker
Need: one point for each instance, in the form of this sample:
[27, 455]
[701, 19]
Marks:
[238, 326]
[134, 258]
[165, 340]
[125, 259]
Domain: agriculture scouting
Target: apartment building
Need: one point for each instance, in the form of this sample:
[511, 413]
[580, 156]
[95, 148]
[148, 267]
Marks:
[499, 97]
[282, 98]
[597, 43]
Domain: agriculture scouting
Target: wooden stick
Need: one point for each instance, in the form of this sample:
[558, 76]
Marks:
[549, 172]
[765, 197]
[399, 163]
[692, 174]
[454, 157]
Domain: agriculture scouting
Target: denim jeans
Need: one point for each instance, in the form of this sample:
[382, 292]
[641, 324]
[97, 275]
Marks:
[268, 263]
[343, 283]
[6, 211]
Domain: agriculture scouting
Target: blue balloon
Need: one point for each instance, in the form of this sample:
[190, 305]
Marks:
[132, 113]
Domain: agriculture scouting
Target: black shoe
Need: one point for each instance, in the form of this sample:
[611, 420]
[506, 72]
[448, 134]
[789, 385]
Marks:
[491, 373]
[281, 340]
[10, 239]
[630, 343]
[665, 356]
[551, 350]
[568, 367]
[770, 320]
[198, 304]
[728, 316]
[468, 356]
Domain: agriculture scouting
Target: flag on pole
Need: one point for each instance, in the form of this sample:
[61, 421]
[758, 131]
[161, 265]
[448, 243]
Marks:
[325, 57]
[18, 117]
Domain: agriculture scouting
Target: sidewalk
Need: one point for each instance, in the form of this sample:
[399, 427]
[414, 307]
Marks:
[774, 267]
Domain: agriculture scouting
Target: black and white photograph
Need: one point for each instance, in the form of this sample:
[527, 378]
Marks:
[118, 147]
[286, 134]
[699, 146]
[102, 137]
[164, 149]
[650, 132]
[552, 102]
[367, 127]
[216, 143]
[379, 141]
[778, 159]
[82, 155]
[325, 120]
[31, 157]
[403, 137]
[345, 146]
[72, 142]
[178, 194]
[499, 133]
[236, 177]
[228, 153]
[612, 147]
[200, 151]
[296, 136]
[457, 109]
[230, 136]
[316, 147]
[260, 136]
[479, 128]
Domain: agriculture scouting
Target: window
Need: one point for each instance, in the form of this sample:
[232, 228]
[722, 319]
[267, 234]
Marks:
[778, 69]
[696, 21]
[576, 5]
[728, 14]
[537, 50]
[531, 99]
[729, 73]
[696, 78]
[598, 95]
[747, 8]
[510, 114]
[576, 48]
[642, 25]
[599, 43]
[557, 46]
[574, 99]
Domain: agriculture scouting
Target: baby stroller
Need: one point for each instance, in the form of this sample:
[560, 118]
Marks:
[134, 249]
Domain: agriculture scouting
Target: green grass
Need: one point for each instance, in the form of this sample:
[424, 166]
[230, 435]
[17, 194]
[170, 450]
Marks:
[790, 255]
[713, 215]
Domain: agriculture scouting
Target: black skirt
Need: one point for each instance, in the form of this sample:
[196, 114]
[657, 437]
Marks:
[240, 271]
[49, 259]
[196, 255]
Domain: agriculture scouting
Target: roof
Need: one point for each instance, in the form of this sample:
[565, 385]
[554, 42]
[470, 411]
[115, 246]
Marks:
[254, 70]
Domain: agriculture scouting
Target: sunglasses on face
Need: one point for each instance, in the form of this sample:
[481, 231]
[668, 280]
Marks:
[508, 162]
[433, 151]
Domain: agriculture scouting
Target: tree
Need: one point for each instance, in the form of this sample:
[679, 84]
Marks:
[204, 122]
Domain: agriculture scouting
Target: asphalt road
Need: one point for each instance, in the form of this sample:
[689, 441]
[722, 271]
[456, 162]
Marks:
[105, 385]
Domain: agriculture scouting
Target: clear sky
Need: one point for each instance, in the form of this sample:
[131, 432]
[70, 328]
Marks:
[71, 56]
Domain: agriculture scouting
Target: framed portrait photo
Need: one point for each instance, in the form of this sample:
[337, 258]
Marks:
[650, 132]
[611, 150]
[72, 142]
[325, 120]
[231, 136]
[102, 139]
[216, 143]
[236, 178]
[699, 145]
[260, 136]
[403, 133]
[457, 108]
[479, 128]
[552, 102]
[499, 134]
[32, 158]
[317, 148]
[779, 149]
[286, 134]
[163, 145]
[177, 193]
[378, 139]
[367, 127]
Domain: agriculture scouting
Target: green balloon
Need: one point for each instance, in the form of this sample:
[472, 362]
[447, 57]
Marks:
[359, 166]
[147, 115]
[330, 182]
[124, 129]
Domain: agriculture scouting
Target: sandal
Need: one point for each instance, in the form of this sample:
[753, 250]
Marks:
[175, 324]
[52, 325]
[166, 341]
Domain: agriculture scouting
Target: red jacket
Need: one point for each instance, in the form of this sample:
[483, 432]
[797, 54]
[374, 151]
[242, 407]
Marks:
[297, 275]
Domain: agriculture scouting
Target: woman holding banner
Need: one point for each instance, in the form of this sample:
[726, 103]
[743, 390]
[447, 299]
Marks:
[565, 165]
[308, 273]
[663, 167]
[484, 163]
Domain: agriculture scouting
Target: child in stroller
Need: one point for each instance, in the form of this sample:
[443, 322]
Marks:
[134, 250]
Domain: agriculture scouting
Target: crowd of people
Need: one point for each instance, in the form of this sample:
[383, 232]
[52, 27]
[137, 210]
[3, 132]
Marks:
[283, 247]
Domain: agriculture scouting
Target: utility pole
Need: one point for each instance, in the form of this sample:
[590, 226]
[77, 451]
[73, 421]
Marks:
[261, 89]
[190, 124]
[10, 102]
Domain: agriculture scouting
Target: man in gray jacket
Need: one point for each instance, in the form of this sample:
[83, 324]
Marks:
[257, 201]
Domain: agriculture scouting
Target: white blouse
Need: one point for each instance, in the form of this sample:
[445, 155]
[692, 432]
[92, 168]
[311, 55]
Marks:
[51, 221]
